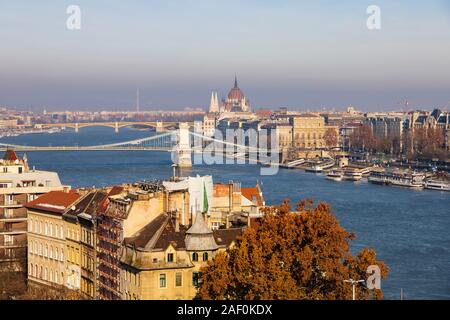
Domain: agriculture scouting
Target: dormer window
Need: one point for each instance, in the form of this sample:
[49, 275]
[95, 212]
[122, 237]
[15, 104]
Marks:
[170, 257]
[195, 256]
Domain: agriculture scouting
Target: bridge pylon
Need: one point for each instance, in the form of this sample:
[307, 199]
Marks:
[116, 127]
[159, 126]
[183, 151]
[77, 129]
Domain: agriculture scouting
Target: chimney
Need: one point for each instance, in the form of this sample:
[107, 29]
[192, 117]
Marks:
[66, 189]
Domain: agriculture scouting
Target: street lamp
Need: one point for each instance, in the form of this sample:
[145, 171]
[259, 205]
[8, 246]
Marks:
[354, 283]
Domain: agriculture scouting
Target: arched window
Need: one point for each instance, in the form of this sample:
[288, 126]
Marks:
[30, 271]
[41, 228]
[56, 254]
[195, 256]
[46, 251]
[40, 273]
[45, 274]
[61, 256]
[56, 276]
[30, 245]
[51, 275]
[50, 253]
[46, 228]
[61, 233]
[30, 226]
[62, 278]
[35, 248]
[40, 249]
[51, 229]
[35, 271]
[205, 256]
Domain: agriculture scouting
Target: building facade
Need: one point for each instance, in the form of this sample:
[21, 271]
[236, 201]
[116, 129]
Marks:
[18, 185]
[47, 237]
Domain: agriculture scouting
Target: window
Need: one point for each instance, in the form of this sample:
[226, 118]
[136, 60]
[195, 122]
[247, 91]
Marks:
[46, 251]
[61, 256]
[178, 279]
[195, 279]
[51, 229]
[162, 280]
[30, 226]
[41, 228]
[61, 233]
[31, 247]
[56, 231]
[56, 255]
[195, 256]
[30, 271]
[46, 228]
[40, 249]
[56, 276]
[9, 199]
[205, 256]
[50, 253]
[170, 257]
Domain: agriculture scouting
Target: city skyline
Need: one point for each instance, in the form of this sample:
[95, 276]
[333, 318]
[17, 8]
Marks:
[296, 54]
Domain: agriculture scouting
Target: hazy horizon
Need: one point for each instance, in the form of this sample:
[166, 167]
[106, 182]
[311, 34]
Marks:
[296, 54]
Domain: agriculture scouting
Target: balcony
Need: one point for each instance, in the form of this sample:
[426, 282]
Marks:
[12, 204]
[15, 217]
[11, 229]
[13, 244]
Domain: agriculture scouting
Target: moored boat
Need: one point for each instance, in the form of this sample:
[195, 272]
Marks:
[314, 168]
[402, 179]
[436, 185]
[352, 174]
[335, 175]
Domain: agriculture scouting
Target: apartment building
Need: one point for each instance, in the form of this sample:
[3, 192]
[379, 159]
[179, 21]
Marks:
[47, 237]
[163, 260]
[18, 185]
[93, 203]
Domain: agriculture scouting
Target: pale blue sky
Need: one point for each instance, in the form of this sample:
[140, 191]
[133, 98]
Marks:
[300, 54]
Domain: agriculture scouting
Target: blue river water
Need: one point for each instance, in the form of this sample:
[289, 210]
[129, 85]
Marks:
[409, 229]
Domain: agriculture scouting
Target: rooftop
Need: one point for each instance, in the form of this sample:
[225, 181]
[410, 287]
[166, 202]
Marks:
[54, 201]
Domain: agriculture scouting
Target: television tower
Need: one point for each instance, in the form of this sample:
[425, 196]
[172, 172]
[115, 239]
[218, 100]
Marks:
[137, 100]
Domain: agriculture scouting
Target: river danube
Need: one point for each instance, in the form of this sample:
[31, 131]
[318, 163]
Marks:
[409, 229]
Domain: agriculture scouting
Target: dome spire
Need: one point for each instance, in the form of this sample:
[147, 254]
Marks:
[235, 81]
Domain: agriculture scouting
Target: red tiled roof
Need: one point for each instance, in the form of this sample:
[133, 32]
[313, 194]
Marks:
[54, 201]
[253, 194]
[115, 190]
[10, 155]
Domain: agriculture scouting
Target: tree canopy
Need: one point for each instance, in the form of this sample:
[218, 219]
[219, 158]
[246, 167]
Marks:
[301, 254]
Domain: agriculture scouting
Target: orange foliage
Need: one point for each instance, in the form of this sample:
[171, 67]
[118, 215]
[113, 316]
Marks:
[290, 255]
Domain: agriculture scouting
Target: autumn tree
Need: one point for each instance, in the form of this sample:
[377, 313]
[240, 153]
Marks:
[331, 138]
[362, 138]
[301, 254]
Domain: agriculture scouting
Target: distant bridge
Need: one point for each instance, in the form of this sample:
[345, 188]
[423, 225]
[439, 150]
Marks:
[162, 142]
[159, 126]
[180, 141]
